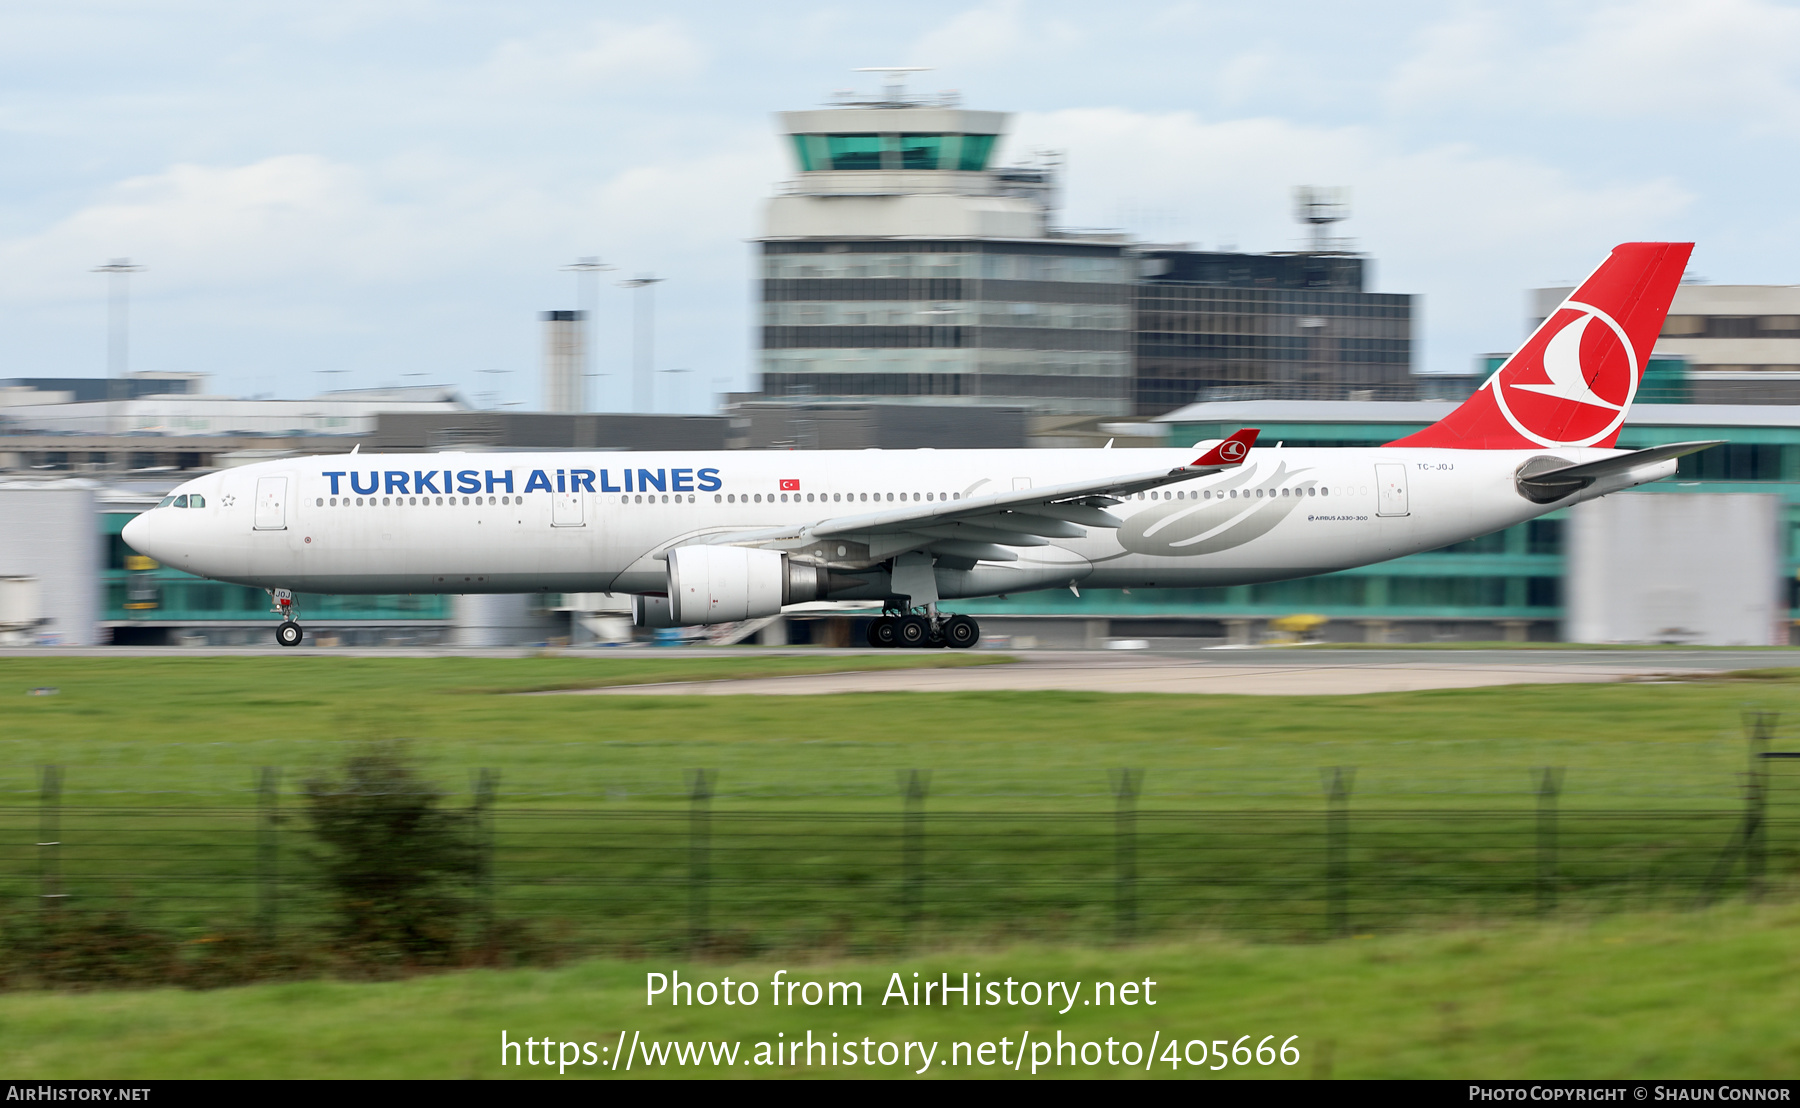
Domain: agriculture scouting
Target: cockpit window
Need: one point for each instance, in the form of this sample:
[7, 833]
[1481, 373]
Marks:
[166, 501]
[195, 500]
[181, 502]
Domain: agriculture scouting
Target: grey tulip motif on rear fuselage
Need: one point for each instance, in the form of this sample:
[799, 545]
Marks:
[1182, 529]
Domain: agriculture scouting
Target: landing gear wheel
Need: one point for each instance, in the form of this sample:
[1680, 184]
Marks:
[882, 632]
[913, 631]
[961, 632]
[289, 633]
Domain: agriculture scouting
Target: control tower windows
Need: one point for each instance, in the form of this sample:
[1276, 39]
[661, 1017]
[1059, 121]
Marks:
[855, 151]
[921, 151]
[975, 151]
[965, 153]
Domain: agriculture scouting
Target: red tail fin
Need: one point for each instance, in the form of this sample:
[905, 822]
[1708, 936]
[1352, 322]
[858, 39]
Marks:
[1574, 379]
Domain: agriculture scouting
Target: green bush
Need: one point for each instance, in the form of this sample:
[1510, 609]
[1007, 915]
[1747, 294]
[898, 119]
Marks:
[89, 949]
[399, 866]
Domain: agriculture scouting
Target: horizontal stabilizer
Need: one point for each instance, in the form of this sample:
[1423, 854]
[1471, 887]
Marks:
[1542, 481]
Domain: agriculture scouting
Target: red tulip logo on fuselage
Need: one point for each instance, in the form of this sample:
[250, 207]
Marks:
[1572, 382]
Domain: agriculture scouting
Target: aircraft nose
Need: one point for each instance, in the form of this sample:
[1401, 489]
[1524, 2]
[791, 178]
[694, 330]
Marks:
[137, 535]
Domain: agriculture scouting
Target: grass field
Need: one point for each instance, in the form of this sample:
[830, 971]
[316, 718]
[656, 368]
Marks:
[191, 731]
[1018, 867]
[1701, 995]
[807, 839]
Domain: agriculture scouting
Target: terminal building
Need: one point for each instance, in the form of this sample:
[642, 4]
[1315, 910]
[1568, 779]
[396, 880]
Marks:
[903, 263]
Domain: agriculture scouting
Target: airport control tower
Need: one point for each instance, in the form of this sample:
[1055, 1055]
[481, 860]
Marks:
[900, 264]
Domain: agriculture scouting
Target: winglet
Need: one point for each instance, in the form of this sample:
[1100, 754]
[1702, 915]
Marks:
[1230, 452]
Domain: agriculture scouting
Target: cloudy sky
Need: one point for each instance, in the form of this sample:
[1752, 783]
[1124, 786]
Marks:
[372, 192]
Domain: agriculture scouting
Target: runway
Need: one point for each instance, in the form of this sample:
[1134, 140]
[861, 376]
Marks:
[1244, 673]
[1272, 671]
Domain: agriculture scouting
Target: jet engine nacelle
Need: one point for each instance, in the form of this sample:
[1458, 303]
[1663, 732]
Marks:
[651, 611]
[724, 584]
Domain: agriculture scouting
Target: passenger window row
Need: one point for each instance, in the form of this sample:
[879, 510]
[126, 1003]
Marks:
[811, 498]
[194, 500]
[840, 497]
[1233, 494]
[412, 501]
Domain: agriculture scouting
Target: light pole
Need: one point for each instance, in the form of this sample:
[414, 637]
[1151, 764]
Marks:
[585, 270]
[494, 393]
[643, 341]
[118, 306]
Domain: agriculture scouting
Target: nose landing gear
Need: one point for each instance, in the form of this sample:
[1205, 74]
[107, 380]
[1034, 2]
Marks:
[289, 633]
[916, 629]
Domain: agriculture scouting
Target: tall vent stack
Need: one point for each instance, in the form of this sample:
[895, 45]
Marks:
[565, 361]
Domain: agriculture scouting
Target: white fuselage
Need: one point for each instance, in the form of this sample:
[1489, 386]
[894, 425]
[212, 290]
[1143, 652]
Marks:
[565, 522]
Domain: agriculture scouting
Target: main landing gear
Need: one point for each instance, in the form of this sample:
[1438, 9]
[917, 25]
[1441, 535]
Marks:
[289, 633]
[926, 629]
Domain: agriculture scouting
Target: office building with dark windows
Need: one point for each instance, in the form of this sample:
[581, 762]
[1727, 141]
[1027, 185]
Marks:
[1224, 326]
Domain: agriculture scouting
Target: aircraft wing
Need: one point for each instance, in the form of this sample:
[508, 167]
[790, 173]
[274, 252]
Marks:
[981, 528]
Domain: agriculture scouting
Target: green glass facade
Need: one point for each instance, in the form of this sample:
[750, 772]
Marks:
[1515, 574]
[165, 596]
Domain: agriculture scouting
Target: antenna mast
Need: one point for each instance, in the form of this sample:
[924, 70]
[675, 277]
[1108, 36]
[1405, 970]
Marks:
[893, 91]
[1320, 208]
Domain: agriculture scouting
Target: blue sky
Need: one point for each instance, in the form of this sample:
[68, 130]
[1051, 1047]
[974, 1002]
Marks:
[389, 189]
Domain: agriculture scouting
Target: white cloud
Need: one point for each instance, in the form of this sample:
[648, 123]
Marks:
[991, 34]
[300, 215]
[1733, 63]
[603, 52]
[421, 262]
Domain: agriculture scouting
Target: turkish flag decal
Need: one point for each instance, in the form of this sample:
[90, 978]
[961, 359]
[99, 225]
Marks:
[790, 484]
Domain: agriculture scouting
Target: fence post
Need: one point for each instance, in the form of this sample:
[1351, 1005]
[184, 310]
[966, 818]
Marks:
[700, 792]
[1756, 802]
[1337, 848]
[49, 837]
[914, 784]
[1549, 787]
[487, 786]
[267, 780]
[1126, 784]
[1750, 840]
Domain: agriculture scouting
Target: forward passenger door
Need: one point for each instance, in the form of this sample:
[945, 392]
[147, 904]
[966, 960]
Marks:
[565, 510]
[271, 504]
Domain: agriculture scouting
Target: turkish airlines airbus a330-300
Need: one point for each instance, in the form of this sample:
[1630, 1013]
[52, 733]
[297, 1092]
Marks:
[704, 538]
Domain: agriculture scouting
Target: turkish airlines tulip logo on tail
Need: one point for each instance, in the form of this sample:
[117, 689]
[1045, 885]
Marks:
[1231, 451]
[1572, 383]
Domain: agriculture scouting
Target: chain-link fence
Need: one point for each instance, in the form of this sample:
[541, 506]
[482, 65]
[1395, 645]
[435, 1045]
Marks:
[710, 870]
